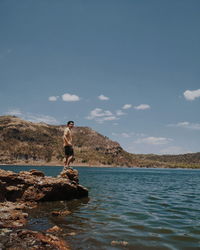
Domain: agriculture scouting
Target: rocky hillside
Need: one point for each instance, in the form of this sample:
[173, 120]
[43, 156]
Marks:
[24, 142]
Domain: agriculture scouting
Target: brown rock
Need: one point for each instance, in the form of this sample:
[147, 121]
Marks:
[11, 215]
[119, 243]
[72, 174]
[27, 239]
[12, 188]
[54, 229]
[53, 241]
[34, 186]
[60, 213]
[37, 173]
[71, 234]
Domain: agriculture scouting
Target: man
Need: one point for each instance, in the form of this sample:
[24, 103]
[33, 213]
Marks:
[68, 146]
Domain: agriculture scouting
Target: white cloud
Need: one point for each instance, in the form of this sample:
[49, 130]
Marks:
[100, 115]
[33, 117]
[109, 118]
[187, 125]
[16, 112]
[127, 106]
[140, 134]
[142, 107]
[53, 98]
[190, 95]
[41, 118]
[154, 140]
[103, 98]
[70, 98]
[173, 150]
[119, 113]
[124, 134]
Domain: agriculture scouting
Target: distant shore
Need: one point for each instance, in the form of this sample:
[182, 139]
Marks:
[57, 164]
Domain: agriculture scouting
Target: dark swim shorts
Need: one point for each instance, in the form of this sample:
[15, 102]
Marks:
[68, 150]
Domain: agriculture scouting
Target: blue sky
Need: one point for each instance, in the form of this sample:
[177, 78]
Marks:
[128, 69]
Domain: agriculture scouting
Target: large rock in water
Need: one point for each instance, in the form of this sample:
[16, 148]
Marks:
[35, 186]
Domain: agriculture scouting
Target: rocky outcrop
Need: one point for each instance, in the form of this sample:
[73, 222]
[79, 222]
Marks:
[20, 191]
[35, 186]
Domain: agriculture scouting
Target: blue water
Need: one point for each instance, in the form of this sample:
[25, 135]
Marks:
[127, 209]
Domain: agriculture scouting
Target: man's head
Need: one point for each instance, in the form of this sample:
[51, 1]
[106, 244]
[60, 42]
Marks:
[70, 124]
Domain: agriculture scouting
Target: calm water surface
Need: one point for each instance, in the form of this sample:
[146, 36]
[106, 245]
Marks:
[127, 209]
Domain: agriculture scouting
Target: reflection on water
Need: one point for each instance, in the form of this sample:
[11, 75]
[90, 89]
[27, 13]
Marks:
[128, 209]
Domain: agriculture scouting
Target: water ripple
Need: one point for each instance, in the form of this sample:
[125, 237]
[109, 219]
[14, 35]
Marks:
[129, 209]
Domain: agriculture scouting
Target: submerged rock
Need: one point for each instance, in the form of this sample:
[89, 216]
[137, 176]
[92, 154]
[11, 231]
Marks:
[54, 229]
[60, 213]
[26, 239]
[11, 215]
[119, 243]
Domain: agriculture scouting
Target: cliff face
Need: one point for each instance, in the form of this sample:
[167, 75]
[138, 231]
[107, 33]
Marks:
[23, 141]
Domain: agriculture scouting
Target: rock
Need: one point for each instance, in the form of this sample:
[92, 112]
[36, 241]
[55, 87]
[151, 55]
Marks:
[37, 172]
[11, 215]
[54, 229]
[71, 174]
[26, 239]
[71, 234]
[119, 243]
[12, 188]
[35, 186]
[60, 213]
[30, 204]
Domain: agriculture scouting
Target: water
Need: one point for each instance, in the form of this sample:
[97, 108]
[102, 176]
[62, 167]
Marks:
[127, 209]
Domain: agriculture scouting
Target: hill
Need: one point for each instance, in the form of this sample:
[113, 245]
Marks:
[24, 142]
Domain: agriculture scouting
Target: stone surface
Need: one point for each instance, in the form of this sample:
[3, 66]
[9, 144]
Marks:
[35, 186]
[54, 229]
[11, 215]
[23, 239]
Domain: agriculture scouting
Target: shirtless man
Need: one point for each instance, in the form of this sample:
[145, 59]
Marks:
[68, 146]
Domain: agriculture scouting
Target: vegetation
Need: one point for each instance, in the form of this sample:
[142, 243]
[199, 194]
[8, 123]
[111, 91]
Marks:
[26, 142]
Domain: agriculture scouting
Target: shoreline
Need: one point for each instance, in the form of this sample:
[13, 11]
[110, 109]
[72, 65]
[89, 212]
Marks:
[54, 164]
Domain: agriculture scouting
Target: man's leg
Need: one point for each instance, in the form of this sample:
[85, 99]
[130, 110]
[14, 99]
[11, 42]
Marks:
[65, 163]
[70, 160]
